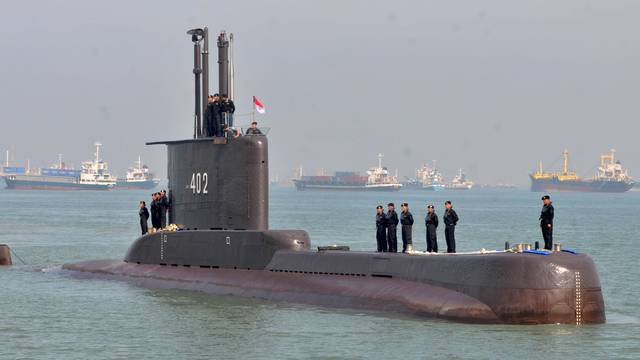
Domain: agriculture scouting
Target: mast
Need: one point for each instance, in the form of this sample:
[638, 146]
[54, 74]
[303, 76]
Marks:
[196, 37]
[540, 171]
[6, 163]
[205, 77]
[59, 161]
[223, 64]
[232, 70]
[565, 155]
[98, 147]
[380, 156]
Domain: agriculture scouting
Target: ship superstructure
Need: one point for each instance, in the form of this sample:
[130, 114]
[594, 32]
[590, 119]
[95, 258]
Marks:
[138, 177]
[96, 171]
[611, 177]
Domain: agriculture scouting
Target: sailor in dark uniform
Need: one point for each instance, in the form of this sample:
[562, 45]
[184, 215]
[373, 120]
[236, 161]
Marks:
[144, 217]
[155, 211]
[213, 116]
[546, 222]
[431, 222]
[392, 226]
[381, 229]
[253, 129]
[228, 107]
[164, 206]
[406, 219]
[450, 221]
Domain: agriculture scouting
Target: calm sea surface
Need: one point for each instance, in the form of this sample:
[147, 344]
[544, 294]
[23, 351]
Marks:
[45, 315]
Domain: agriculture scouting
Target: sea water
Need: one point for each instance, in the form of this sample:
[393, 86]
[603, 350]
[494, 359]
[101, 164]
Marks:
[47, 315]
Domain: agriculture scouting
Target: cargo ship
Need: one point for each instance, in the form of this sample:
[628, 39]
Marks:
[460, 182]
[138, 178]
[377, 179]
[611, 177]
[94, 175]
[427, 178]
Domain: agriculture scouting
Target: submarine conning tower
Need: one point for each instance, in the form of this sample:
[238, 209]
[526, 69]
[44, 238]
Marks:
[218, 187]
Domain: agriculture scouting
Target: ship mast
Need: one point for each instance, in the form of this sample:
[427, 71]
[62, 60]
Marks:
[380, 156]
[565, 155]
[98, 157]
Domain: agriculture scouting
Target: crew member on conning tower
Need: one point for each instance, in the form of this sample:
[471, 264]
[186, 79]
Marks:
[431, 222]
[406, 219]
[546, 222]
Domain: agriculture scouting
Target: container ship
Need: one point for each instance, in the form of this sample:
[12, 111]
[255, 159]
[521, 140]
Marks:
[611, 177]
[138, 178]
[377, 179]
[94, 175]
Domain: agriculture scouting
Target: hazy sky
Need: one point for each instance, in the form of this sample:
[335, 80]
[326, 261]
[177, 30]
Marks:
[490, 86]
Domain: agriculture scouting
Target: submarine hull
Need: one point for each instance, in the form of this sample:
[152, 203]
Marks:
[498, 287]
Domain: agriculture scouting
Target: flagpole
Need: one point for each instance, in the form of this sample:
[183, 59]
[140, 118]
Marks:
[253, 110]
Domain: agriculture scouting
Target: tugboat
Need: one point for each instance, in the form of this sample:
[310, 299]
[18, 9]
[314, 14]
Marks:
[94, 175]
[138, 178]
[611, 177]
[460, 182]
[377, 179]
[220, 243]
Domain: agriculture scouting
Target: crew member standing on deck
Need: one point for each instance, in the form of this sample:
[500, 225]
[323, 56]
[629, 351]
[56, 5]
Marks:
[155, 211]
[144, 217]
[381, 229]
[546, 222]
[164, 206]
[228, 107]
[450, 221]
[431, 222]
[406, 219]
[392, 226]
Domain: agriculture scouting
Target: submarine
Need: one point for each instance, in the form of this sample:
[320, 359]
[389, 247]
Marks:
[219, 193]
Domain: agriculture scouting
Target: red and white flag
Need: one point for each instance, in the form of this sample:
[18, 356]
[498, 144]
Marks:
[258, 105]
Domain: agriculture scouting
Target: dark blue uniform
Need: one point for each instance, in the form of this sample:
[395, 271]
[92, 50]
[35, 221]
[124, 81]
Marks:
[450, 221]
[392, 232]
[406, 219]
[546, 225]
[144, 217]
[431, 222]
[381, 232]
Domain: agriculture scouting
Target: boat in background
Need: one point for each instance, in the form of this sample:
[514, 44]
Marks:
[460, 182]
[377, 179]
[139, 177]
[94, 175]
[611, 177]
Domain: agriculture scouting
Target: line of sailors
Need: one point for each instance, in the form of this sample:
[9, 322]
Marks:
[218, 117]
[159, 206]
[387, 224]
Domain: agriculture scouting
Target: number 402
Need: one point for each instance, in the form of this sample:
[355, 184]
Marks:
[199, 183]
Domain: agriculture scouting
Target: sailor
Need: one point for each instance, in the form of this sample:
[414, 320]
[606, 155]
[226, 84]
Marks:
[381, 229]
[155, 211]
[212, 115]
[253, 130]
[228, 108]
[144, 217]
[450, 221]
[164, 206]
[406, 219]
[392, 226]
[431, 222]
[546, 222]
